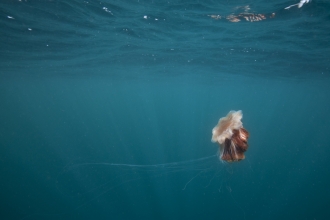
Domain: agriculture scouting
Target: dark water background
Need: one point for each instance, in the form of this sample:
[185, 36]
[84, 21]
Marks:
[87, 86]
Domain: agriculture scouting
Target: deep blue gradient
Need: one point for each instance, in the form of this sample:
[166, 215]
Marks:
[107, 110]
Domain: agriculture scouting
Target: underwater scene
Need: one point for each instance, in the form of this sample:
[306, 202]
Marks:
[146, 109]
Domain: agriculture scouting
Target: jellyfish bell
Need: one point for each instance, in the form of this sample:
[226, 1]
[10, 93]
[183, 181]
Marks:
[231, 136]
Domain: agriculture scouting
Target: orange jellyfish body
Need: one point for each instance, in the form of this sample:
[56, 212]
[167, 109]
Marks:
[231, 136]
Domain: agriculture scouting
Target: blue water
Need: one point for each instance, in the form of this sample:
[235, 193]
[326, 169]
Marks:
[107, 109]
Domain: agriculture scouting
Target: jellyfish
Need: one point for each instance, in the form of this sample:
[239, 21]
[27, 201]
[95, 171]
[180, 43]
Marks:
[231, 136]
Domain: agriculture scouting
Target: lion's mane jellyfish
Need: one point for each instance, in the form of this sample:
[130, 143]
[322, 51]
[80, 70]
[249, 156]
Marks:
[231, 136]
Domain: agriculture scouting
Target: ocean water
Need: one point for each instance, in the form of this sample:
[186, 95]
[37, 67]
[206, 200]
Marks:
[107, 108]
